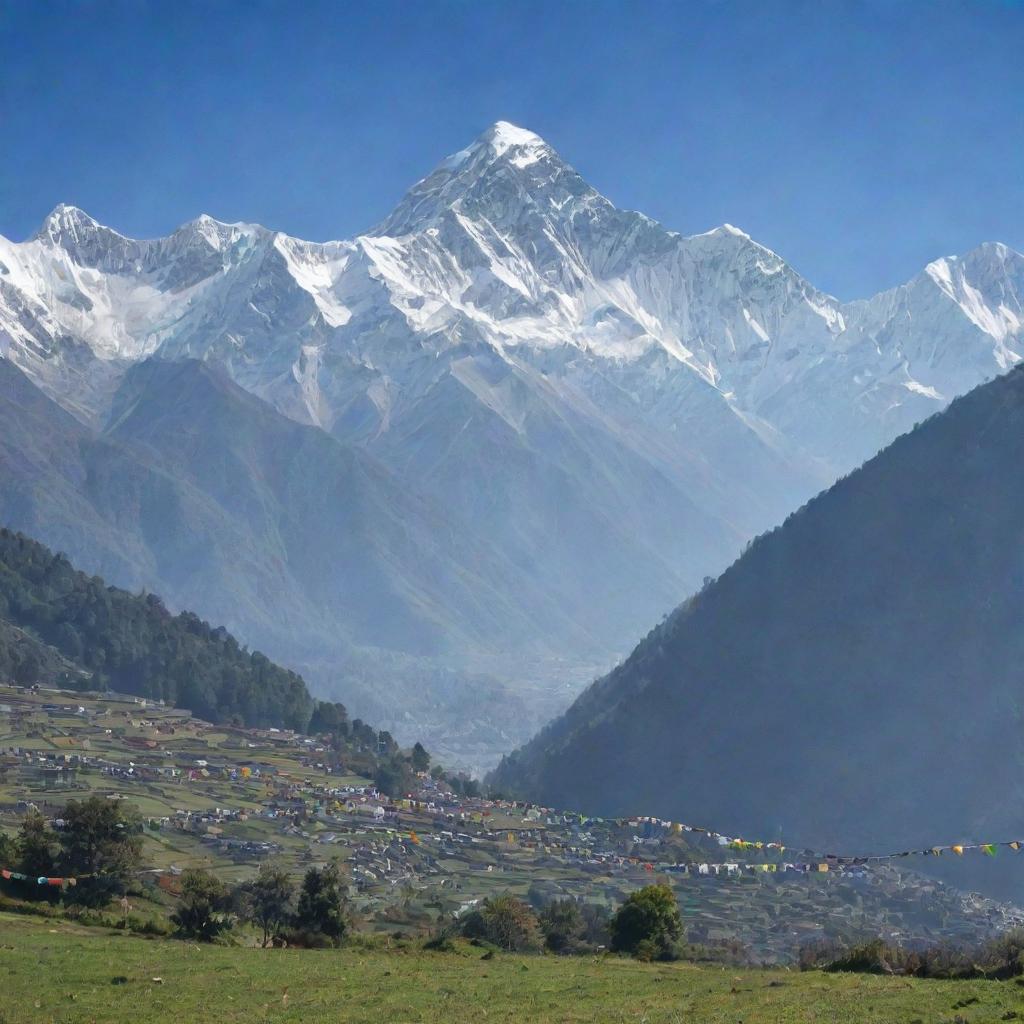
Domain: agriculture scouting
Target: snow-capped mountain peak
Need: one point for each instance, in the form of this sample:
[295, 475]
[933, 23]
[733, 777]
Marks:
[617, 407]
[217, 234]
[505, 165]
[501, 137]
[67, 223]
[505, 246]
[69, 230]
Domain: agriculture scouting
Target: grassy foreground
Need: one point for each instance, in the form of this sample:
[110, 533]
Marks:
[51, 971]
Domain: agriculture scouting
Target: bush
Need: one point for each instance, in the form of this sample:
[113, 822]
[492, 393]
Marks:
[646, 951]
[1002, 957]
[140, 925]
[873, 957]
[205, 909]
[321, 916]
[308, 938]
[95, 893]
[565, 928]
[650, 916]
[440, 943]
[506, 922]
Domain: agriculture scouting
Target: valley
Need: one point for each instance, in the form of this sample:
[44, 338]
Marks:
[226, 799]
[511, 512]
[454, 468]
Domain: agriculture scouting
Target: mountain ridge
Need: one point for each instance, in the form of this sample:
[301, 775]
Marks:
[849, 683]
[613, 407]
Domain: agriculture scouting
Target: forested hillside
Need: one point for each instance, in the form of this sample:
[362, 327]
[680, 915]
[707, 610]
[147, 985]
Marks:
[131, 643]
[302, 546]
[853, 682]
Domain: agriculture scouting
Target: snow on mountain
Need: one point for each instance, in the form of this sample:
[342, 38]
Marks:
[617, 406]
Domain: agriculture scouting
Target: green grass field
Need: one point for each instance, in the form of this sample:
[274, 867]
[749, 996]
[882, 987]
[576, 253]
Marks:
[58, 972]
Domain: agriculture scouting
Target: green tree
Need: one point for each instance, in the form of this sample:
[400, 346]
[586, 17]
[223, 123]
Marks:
[393, 778]
[204, 911]
[563, 926]
[100, 837]
[37, 846]
[595, 924]
[386, 743]
[322, 908]
[28, 671]
[507, 922]
[268, 900]
[648, 922]
[420, 758]
[8, 851]
[329, 719]
[134, 644]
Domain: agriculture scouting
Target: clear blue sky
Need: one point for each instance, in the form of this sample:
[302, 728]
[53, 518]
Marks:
[859, 140]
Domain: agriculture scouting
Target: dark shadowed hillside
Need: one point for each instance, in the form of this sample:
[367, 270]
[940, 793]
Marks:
[854, 682]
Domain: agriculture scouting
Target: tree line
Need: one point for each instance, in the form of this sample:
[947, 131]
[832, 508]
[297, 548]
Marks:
[314, 915]
[132, 644]
[647, 925]
[98, 841]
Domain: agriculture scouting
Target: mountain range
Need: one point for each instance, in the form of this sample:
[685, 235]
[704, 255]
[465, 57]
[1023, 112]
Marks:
[453, 468]
[851, 683]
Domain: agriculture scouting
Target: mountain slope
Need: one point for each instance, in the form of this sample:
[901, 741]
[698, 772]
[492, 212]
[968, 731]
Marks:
[852, 682]
[202, 491]
[132, 643]
[593, 411]
[506, 252]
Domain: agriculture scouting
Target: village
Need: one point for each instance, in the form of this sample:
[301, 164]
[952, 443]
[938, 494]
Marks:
[227, 798]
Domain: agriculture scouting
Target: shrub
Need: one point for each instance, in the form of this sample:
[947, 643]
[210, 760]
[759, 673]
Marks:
[646, 951]
[507, 922]
[1002, 957]
[873, 957]
[649, 915]
[440, 943]
[204, 912]
[564, 927]
[308, 938]
[321, 916]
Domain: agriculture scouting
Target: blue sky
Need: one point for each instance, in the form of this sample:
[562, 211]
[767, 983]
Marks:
[858, 140]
